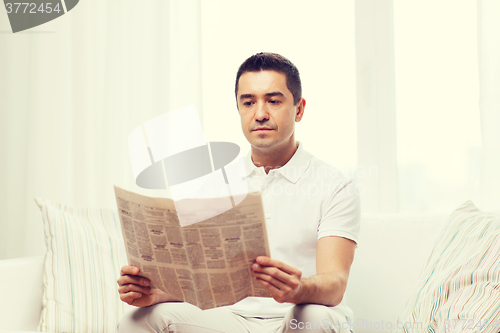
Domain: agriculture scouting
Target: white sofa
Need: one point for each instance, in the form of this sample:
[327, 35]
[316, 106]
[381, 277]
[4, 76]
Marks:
[393, 249]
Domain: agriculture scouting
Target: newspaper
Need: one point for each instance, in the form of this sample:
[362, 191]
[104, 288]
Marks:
[207, 263]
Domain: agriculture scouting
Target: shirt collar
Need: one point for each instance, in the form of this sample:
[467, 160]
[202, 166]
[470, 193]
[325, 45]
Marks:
[292, 170]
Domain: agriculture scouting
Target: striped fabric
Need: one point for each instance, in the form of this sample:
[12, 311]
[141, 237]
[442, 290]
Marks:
[459, 288]
[85, 252]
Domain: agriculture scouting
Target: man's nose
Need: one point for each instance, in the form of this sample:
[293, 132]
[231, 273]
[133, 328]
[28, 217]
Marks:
[262, 113]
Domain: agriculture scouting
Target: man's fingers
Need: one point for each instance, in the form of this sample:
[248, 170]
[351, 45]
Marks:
[133, 287]
[271, 272]
[272, 289]
[129, 270]
[130, 297]
[266, 261]
[134, 279]
[272, 281]
[278, 295]
[288, 279]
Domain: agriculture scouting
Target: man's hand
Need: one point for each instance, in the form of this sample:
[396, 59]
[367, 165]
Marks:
[135, 290]
[334, 256]
[283, 281]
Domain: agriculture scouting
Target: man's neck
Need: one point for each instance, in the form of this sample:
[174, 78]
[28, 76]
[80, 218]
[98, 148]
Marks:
[273, 159]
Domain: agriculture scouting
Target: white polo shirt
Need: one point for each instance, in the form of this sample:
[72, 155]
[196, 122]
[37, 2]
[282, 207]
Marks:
[304, 200]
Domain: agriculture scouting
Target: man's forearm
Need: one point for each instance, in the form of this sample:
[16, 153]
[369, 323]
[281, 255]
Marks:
[325, 289]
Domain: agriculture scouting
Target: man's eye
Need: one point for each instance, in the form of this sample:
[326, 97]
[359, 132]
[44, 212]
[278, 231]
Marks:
[274, 102]
[247, 103]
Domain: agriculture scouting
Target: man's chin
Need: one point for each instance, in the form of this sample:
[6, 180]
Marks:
[262, 144]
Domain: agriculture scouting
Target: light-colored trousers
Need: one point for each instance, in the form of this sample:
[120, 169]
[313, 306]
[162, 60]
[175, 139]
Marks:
[187, 318]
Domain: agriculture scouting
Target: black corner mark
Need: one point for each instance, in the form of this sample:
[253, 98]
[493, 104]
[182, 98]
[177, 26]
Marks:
[25, 15]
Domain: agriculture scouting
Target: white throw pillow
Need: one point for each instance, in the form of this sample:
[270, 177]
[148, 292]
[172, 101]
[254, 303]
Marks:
[85, 252]
[459, 288]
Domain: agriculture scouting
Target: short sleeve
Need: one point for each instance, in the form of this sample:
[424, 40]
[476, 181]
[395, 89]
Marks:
[341, 213]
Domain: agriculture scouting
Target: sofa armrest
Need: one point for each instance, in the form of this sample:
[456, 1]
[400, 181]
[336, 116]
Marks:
[22, 286]
[393, 249]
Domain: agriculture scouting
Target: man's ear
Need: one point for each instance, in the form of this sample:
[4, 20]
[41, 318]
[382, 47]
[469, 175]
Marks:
[301, 105]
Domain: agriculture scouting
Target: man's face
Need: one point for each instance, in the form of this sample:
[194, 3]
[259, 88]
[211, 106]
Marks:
[266, 108]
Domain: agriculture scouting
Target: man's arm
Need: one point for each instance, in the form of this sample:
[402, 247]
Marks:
[334, 256]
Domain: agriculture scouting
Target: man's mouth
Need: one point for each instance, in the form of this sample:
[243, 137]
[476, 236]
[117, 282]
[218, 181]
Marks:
[262, 129]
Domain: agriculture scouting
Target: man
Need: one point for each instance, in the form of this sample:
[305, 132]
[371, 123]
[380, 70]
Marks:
[312, 218]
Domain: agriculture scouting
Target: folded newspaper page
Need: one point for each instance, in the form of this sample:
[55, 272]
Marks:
[207, 263]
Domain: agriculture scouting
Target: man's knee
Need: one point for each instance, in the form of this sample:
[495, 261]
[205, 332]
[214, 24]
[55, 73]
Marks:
[132, 320]
[154, 318]
[314, 318]
[311, 312]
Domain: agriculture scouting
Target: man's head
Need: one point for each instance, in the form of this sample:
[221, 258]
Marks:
[272, 62]
[267, 106]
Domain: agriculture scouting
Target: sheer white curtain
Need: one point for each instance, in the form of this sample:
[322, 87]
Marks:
[489, 102]
[437, 117]
[419, 121]
[71, 91]
[377, 157]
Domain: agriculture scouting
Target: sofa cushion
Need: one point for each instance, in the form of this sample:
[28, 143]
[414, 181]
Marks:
[85, 252]
[459, 288]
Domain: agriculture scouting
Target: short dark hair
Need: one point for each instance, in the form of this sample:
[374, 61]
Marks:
[265, 61]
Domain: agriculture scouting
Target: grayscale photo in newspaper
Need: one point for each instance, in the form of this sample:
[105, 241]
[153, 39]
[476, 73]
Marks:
[207, 263]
